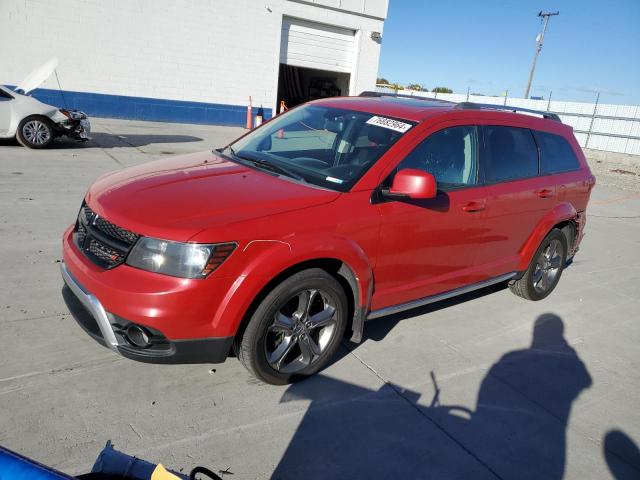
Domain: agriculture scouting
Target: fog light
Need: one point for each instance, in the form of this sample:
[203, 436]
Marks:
[137, 336]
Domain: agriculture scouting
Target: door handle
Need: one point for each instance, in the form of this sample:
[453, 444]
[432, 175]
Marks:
[474, 207]
[544, 193]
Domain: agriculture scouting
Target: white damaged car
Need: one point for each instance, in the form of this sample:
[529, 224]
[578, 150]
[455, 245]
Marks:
[33, 123]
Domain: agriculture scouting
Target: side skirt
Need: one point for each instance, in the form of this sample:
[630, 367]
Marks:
[383, 312]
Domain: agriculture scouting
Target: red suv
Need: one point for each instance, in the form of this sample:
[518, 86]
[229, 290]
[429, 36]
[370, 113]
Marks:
[336, 212]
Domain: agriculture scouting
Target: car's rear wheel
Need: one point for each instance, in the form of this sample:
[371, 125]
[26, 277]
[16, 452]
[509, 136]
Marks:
[545, 269]
[35, 132]
[296, 329]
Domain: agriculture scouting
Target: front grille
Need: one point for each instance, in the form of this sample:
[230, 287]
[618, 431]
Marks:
[115, 231]
[104, 243]
[104, 253]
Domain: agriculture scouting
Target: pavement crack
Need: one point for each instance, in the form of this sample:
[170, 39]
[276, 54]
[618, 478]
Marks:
[122, 139]
[400, 394]
[135, 431]
[112, 157]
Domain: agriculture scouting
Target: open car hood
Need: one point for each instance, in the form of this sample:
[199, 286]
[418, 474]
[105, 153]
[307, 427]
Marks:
[37, 76]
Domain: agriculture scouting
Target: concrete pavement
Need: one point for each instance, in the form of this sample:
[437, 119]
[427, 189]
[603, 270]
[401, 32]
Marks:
[524, 389]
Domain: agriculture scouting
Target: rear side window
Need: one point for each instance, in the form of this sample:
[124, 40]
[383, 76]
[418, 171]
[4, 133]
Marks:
[510, 154]
[556, 155]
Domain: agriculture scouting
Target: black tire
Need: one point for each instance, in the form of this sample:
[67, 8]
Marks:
[263, 332]
[44, 136]
[529, 286]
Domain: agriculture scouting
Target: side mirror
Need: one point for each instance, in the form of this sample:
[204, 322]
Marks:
[412, 183]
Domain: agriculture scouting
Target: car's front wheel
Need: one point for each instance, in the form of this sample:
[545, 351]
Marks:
[35, 132]
[296, 329]
[545, 269]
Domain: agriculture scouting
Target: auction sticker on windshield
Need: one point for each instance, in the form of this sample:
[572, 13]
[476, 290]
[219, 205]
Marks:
[389, 123]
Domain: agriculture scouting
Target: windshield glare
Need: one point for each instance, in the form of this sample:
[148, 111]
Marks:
[325, 146]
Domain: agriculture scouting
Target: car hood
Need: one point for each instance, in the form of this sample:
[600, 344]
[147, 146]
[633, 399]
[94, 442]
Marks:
[178, 197]
[37, 76]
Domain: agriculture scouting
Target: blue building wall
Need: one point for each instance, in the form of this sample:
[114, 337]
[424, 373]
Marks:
[150, 109]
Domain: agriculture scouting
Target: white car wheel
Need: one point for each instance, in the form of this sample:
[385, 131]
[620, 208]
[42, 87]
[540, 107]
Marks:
[35, 132]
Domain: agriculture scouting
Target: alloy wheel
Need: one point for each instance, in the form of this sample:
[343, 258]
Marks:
[548, 266]
[301, 330]
[36, 132]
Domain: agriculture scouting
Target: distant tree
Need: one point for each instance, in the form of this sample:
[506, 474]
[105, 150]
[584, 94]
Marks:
[382, 81]
[415, 86]
[442, 90]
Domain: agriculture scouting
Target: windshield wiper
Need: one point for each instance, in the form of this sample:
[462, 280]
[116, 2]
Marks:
[228, 147]
[261, 163]
[273, 167]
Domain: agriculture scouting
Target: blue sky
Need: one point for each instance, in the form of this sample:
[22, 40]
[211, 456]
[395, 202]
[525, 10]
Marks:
[488, 45]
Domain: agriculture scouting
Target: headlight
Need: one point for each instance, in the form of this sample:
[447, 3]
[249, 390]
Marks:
[186, 260]
[73, 114]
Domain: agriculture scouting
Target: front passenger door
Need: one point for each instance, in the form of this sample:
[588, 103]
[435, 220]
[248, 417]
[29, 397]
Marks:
[429, 246]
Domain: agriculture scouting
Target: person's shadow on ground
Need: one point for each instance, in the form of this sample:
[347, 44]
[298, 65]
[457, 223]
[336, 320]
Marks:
[622, 455]
[517, 429]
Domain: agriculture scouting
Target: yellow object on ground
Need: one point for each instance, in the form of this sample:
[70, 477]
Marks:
[161, 473]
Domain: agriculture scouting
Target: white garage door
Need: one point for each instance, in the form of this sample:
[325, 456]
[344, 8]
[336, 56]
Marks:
[314, 45]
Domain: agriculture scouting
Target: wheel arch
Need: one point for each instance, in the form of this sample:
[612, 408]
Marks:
[562, 216]
[338, 269]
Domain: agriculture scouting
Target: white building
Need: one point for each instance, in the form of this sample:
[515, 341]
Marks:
[192, 61]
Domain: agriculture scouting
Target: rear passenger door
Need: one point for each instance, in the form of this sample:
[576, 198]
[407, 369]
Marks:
[517, 196]
[557, 158]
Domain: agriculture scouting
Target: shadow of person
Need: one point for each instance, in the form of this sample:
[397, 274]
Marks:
[517, 429]
[622, 455]
[523, 406]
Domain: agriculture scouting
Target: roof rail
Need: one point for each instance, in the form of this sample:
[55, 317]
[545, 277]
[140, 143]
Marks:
[369, 93]
[489, 106]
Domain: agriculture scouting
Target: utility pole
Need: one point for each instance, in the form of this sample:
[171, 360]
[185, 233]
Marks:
[539, 41]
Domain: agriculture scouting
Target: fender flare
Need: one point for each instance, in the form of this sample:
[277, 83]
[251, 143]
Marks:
[560, 213]
[270, 258]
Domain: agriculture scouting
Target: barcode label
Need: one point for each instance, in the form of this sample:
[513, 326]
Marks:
[389, 123]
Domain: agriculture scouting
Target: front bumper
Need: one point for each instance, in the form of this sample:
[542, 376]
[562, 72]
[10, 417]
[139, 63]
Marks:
[110, 331]
[77, 127]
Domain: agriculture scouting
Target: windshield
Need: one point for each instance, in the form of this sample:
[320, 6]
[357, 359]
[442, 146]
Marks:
[323, 146]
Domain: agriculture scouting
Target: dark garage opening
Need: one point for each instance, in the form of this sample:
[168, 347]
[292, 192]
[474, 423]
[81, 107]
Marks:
[297, 85]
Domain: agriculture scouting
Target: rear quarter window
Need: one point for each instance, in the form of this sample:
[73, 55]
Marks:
[556, 154]
[510, 153]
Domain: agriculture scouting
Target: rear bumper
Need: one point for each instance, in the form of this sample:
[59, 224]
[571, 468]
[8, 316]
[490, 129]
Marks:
[581, 221]
[110, 331]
